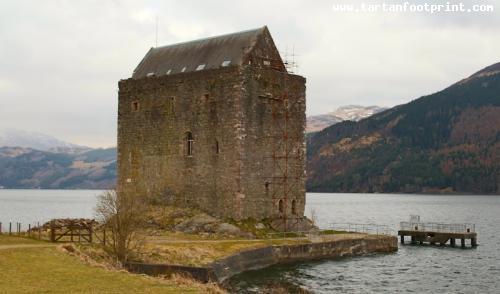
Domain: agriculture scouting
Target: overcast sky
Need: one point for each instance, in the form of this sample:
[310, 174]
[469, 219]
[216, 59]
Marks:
[60, 61]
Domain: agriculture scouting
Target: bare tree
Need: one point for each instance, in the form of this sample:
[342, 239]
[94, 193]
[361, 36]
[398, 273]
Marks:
[123, 215]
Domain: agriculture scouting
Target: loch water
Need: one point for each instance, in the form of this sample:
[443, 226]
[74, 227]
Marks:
[33, 206]
[413, 269]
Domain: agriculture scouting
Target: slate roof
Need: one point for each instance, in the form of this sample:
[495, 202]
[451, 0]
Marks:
[199, 54]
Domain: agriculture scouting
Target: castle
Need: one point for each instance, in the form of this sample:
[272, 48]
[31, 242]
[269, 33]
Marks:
[217, 124]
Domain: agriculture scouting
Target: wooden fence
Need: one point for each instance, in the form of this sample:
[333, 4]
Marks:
[59, 230]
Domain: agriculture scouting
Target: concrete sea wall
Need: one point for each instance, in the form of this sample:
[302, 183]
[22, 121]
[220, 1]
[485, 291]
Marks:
[264, 257]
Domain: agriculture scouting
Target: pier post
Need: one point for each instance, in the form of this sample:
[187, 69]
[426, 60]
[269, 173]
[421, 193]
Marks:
[473, 242]
[413, 240]
[452, 242]
[462, 243]
[402, 239]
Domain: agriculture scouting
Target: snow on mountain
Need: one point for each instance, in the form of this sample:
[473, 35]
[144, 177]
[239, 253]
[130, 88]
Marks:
[35, 140]
[350, 112]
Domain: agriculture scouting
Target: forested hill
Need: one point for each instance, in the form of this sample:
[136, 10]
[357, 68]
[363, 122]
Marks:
[445, 142]
[35, 169]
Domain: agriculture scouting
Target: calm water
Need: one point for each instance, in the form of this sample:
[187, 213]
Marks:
[32, 206]
[417, 269]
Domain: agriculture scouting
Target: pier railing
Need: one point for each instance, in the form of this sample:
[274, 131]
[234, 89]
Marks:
[438, 227]
[361, 228]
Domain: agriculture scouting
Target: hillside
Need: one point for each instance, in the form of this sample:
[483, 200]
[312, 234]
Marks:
[445, 142]
[317, 123]
[32, 169]
[35, 140]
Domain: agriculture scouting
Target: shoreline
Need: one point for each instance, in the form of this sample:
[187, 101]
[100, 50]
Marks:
[310, 192]
[416, 193]
[225, 268]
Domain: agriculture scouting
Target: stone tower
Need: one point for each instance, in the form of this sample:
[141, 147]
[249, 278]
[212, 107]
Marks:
[217, 124]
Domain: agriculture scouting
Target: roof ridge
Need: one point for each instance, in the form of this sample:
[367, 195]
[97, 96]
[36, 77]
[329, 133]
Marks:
[207, 53]
[211, 37]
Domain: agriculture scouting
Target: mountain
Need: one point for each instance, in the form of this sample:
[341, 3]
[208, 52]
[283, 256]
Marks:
[35, 169]
[317, 123]
[445, 142]
[38, 141]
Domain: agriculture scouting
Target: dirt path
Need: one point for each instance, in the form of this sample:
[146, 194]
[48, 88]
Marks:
[180, 241]
[21, 246]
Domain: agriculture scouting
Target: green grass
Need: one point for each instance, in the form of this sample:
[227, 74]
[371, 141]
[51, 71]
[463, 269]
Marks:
[50, 270]
[332, 232]
[202, 253]
[9, 240]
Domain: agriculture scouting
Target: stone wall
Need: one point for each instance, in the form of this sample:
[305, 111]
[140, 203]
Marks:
[273, 144]
[238, 119]
[264, 257]
[152, 140]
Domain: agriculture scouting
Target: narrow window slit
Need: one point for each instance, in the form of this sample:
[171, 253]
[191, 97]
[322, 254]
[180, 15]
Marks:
[190, 143]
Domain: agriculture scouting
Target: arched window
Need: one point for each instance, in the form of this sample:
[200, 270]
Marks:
[294, 206]
[189, 143]
[281, 206]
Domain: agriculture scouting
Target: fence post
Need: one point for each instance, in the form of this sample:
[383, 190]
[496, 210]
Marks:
[29, 230]
[0, 227]
[91, 232]
[10, 228]
[52, 231]
[39, 231]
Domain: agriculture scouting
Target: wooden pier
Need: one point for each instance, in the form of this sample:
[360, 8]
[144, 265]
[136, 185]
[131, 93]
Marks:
[437, 233]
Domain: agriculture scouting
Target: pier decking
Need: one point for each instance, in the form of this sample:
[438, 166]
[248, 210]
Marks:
[437, 233]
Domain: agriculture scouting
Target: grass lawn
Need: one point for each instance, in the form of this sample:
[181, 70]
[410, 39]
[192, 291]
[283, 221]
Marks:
[9, 240]
[203, 252]
[193, 250]
[49, 270]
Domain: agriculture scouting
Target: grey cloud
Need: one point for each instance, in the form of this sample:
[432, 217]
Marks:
[61, 60]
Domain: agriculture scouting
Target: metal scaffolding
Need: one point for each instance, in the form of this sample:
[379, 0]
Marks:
[285, 176]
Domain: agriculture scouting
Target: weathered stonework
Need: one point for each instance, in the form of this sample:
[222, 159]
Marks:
[228, 140]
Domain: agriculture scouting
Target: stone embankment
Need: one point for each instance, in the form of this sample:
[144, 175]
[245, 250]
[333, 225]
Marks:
[332, 247]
